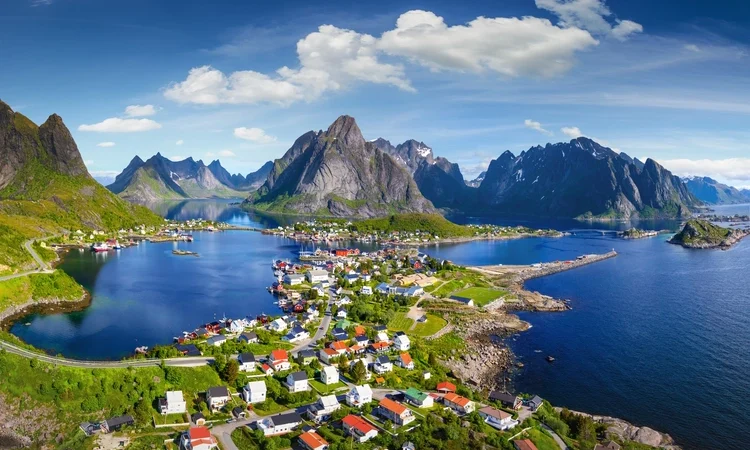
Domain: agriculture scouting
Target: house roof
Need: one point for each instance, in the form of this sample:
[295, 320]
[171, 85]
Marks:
[328, 401]
[285, 419]
[174, 396]
[250, 335]
[457, 399]
[405, 358]
[359, 330]
[256, 386]
[298, 376]
[338, 331]
[199, 433]
[330, 352]
[312, 439]
[496, 413]
[218, 391]
[358, 424]
[537, 400]
[524, 444]
[446, 386]
[266, 367]
[392, 406]
[247, 357]
[197, 416]
[416, 394]
[330, 370]
[383, 359]
[338, 345]
[503, 397]
[307, 353]
[277, 355]
[119, 420]
[365, 389]
[379, 345]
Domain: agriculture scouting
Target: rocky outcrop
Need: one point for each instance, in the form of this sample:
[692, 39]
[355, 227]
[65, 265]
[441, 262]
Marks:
[338, 173]
[627, 431]
[701, 234]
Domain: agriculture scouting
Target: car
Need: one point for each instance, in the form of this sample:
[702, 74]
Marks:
[320, 328]
[231, 420]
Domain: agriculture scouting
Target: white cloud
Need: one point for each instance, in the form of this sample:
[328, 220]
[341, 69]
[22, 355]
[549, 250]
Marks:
[105, 144]
[589, 15]
[222, 153]
[176, 157]
[571, 132]
[508, 46]
[534, 125]
[140, 110]
[117, 125]
[723, 169]
[692, 48]
[254, 134]
[179, 142]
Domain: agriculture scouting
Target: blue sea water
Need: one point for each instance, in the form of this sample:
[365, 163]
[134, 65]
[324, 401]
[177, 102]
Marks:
[659, 335]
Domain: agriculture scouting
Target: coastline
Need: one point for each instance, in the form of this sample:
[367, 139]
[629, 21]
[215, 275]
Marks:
[12, 314]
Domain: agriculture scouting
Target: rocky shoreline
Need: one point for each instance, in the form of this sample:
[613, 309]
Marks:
[627, 431]
[47, 306]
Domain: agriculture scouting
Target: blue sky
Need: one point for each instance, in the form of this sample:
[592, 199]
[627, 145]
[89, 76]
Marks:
[239, 81]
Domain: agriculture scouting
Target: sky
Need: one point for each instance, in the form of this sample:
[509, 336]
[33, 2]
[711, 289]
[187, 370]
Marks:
[240, 81]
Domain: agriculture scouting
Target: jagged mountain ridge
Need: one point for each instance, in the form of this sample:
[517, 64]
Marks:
[476, 181]
[711, 191]
[338, 173]
[582, 179]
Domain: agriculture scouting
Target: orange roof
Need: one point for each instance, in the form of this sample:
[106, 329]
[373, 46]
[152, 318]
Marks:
[330, 352]
[355, 348]
[338, 345]
[446, 386]
[266, 367]
[393, 406]
[277, 355]
[380, 380]
[405, 358]
[199, 433]
[457, 399]
[379, 345]
[358, 423]
[525, 444]
[312, 439]
[359, 330]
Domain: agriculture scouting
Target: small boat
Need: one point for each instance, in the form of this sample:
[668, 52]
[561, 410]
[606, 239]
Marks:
[537, 351]
[550, 359]
[28, 324]
[100, 247]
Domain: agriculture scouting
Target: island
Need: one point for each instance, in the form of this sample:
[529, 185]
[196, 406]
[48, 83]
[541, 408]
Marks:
[701, 234]
[635, 233]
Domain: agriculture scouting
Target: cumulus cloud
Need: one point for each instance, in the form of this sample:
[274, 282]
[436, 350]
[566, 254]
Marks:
[571, 132]
[140, 110]
[534, 125]
[105, 144]
[332, 59]
[590, 15]
[737, 169]
[117, 125]
[254, 134]
[222, 153]
[179, 142]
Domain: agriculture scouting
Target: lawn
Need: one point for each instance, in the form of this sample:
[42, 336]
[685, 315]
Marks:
[481, 295]
[324, 389]
[542, 440]
[170, 419]
[445, 290]
[268, 407]
[399, 322]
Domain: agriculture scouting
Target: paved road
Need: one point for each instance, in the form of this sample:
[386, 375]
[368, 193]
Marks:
[42, 267]
[555, 436]
[320, 333]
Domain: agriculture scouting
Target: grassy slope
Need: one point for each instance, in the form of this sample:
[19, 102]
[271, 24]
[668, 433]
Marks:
[39, 286]
[431, 223]
[697, 232]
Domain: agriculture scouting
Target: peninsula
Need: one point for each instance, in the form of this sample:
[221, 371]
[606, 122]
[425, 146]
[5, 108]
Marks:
[701, 234]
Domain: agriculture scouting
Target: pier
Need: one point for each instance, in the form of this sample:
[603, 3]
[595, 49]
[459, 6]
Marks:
[528, 272]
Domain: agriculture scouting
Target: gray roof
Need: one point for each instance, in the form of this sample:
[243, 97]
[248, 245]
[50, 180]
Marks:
[307, 353]
[382, 359]
[250, 335]
[537, 400]
[503, 397]
[119, 420]
[247, 357]
[218, 391]
[298, 376]
[288, 418]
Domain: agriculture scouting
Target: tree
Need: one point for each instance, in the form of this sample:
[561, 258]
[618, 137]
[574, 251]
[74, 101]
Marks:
[220, 362]
[312, 294]
[432, 360]
[231, 371]
[358, 371]
[343, 363]
[142, 412]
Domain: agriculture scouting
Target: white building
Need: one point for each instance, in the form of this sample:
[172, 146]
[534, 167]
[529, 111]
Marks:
[317, 276]
[359, 395]
[172, 403]
[293, 279]
[297, 382]
[279, 424]
[401, 342]
[254, 392]
[497, 418]
[383, 364]
[329, 375]
[247, 362]
[323, 408]
[278, 325]
[366, 290]
[217, 397]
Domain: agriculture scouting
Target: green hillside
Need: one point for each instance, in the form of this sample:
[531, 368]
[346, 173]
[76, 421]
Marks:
[409, 223]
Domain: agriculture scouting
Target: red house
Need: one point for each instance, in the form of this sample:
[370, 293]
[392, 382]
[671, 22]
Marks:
[446, 386]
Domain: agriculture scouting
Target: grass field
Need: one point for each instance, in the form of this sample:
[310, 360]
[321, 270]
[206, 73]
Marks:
[542, 440]
[481, 296]
[324, 389]
[400, 322]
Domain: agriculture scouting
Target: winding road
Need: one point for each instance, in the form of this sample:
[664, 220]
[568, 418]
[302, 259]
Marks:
[42, 267]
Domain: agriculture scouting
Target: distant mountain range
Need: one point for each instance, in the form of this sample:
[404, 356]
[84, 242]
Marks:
[712, 192]
[160, 178]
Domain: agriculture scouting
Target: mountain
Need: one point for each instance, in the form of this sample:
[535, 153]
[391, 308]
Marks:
[45, 188]
[338, 173]
[256, 179]
[411, 153]
[160, 178]
[582, 179]
[711, 191]
[477, 181]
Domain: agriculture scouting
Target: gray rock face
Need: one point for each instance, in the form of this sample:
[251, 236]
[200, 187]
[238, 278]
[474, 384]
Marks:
[711, 191]
[337, 172]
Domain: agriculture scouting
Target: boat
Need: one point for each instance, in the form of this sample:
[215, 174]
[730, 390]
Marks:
[142, 350]
[100, 247]
[550, 359]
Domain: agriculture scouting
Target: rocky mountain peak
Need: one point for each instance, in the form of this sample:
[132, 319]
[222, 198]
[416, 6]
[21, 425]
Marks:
[345, 130]
[59, 143]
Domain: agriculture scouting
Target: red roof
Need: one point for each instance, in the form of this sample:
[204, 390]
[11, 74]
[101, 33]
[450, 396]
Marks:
[524, 444]
[405, 358]
[338, 345]
[446, 386]
[266, 367]
[379, 345]
[313, 439]
[199, 433]
[393, 406]
[457, 399]
[278, 355]
[359, 330]
[358, 423]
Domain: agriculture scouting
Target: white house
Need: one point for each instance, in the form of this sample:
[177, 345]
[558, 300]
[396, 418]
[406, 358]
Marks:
[247, 362]
[297, 382]
[418, 398]
[358, 428]
[359, 395]
[366, 290]
[254, 392]
[383, 337]
[293, 279]
[404, 361]
[323, 408]
[317, 276]
[341, 314]
[216, 341]
[345, 300]
[383, 364]
[329, 375]
[278, 325]
[497, 418]
[401, 342]
[198, 438]
[217, 397]
[296, 334]
[172, 403]
[279, 424]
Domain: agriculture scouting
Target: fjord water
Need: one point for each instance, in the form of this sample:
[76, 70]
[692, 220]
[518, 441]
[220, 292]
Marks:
[658, 335]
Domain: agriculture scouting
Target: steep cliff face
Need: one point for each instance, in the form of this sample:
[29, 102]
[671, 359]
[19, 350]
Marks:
[337, 173]
[582, 179]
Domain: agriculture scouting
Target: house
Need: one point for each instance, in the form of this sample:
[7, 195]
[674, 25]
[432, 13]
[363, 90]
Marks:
[293, 279]
[89, 429]
[394, 411]
[279, 360]
[254, 392]
[366, 277]
[383, 337]
[401, 342]
[310, 440]
[278, 325]
[404, 361]
[418, 398]
[459, 404]
[344, 324]
[297, 382]
[359, 395]
[318, 288]
[247, 362]
[188, 350]
[305, 357]
[379, 347]
[359, 330]
[329, 375]
[524, 444]
[251, 337]
[115, 423]
[323, 408]
[365, 290]
[217, 340]
[607, 445]
[339, 347]
[198, 438]
[497, 418]
[382, 365]
[279, 424]
[339, 334]
[351, 277]
[172, 403]
[446, 386]
[535, 403]
[198, 419]
[362, 340]
[296, 334]
[217, 397]
[385, 288]
[341, 314]
[408, 446]
[358, 428]
[426, 375]
[327, 355]
[239, 412]
[506, 399]
[465, 300]
[266, 369]
[316, 276]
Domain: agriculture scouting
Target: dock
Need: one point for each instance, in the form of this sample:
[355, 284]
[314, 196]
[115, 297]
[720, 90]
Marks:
[528, 272]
